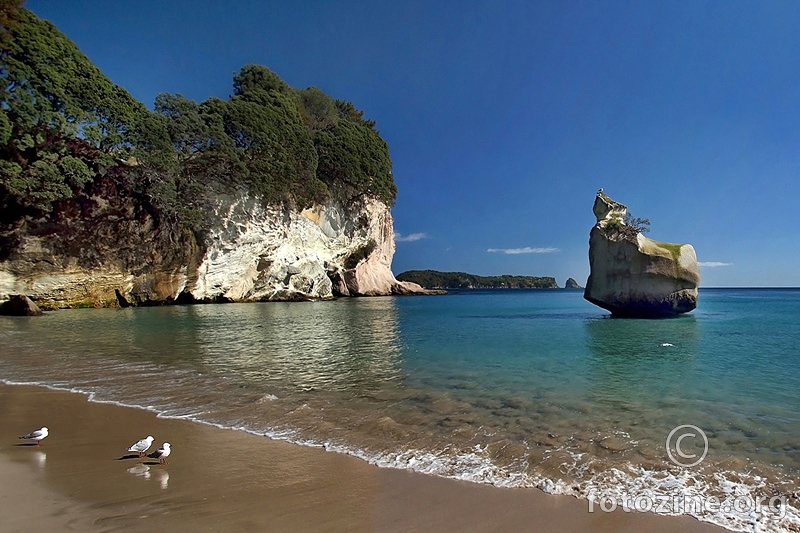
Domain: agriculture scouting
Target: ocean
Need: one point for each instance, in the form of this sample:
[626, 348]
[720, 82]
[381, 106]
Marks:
[517, 388]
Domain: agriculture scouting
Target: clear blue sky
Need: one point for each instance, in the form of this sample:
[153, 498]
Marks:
[503, 118]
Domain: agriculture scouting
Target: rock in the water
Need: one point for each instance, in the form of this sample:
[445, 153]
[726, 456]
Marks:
[572, 284]
[20, 305]
[633, 276]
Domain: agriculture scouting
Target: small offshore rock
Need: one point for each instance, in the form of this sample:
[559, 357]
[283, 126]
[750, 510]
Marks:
[20, 305]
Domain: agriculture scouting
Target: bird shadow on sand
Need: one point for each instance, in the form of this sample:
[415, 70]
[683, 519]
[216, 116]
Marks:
[29, 444]
[151, 463]
[129, 456]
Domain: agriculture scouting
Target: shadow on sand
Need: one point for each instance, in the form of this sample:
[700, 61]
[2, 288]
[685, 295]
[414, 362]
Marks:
[129, 456]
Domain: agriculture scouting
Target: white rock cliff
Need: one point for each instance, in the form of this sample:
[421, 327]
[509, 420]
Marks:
[251, 253]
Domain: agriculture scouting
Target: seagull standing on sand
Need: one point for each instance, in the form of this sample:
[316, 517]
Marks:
[37, 435]
[162, 453]
[142, 446]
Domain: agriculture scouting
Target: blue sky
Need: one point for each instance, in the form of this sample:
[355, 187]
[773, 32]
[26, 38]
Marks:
[504, 118]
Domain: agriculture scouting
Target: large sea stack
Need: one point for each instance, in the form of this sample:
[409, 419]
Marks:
[633, 276]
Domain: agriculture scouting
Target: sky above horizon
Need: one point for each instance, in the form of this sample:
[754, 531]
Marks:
[504, 118]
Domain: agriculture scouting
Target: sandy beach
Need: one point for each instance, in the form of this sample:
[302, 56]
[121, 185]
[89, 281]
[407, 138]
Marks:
[82, 478]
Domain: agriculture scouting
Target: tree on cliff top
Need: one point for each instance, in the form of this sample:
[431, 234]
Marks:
[286, 145]
[59, 112]
[48, 83]
[354, 161]
[9, 18]
[64, 125]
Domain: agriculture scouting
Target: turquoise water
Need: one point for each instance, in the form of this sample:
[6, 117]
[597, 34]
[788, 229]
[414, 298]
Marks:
[516, 388]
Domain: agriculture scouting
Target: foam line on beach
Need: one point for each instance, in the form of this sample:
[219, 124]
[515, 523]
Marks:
[477, 467]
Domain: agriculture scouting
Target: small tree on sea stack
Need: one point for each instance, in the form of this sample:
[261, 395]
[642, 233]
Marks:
[640, 225]
[629, 227]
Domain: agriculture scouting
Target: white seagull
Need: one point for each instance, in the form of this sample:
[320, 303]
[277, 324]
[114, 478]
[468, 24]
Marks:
[162, 453]
[142, 446]
[37, 435]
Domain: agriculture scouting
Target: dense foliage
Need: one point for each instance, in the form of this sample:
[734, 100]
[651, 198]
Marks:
[60, 118]
[432, 279]
[64, 126]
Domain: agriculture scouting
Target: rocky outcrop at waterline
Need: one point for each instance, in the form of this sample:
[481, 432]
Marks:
[102, 251]
[633, 276]
[572, 284]
[19, 305]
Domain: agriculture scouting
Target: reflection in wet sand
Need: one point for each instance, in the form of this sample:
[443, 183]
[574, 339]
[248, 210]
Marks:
[144, 471]
[163, 479]
[140, 470]
[39, 458]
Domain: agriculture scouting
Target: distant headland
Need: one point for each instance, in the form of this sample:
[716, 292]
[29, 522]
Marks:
[432, 279]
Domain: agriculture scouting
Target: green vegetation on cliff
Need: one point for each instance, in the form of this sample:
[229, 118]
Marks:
[60, 118]
[432, 279]
[67, 132]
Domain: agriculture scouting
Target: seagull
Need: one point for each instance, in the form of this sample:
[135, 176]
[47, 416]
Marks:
[142, 446]
[162, 453]
[37, 435]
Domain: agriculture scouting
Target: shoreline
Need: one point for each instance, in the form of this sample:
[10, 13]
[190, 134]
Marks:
[81, 477]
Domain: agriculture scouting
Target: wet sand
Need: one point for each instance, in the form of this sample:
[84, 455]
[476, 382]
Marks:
[82, 478]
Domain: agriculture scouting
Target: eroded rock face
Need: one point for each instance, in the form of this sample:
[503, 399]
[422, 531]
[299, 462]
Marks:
[633, 276]
[258, 253]
[252, 253]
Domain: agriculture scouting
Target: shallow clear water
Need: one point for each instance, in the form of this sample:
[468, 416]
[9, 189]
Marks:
[517, 388]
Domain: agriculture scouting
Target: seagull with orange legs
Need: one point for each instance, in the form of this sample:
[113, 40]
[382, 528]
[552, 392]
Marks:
[142, 446]
[162, 453]
[37, 435]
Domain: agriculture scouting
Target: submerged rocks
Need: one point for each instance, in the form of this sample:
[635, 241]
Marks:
[633, 276]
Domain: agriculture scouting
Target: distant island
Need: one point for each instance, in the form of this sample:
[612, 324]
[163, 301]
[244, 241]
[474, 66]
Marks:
[432, 279]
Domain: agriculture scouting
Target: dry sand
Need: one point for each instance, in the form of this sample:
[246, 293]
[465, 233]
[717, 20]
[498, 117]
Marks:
[82, 479]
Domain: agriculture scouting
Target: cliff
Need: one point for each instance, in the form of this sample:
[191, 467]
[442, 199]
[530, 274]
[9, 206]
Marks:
[101, 251]
[634, 276]
[274, 194]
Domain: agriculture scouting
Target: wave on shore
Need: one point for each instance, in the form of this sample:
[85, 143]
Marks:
[626, 485]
